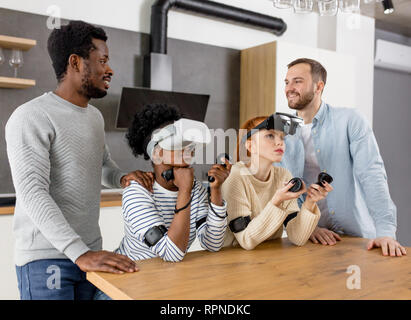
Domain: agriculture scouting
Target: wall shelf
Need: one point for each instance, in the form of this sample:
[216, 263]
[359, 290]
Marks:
[16, 83]
[23, 44]
[8, 42]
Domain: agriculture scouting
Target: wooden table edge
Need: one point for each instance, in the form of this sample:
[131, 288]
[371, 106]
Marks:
[97, 279]
[105, 286]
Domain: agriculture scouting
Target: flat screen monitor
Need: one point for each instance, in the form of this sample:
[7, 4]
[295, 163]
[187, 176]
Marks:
[192, 106]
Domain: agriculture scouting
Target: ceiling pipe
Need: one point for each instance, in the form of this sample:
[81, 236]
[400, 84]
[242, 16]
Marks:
[160, 8]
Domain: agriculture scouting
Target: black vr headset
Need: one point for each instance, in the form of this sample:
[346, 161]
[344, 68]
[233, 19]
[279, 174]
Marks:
[284, 122]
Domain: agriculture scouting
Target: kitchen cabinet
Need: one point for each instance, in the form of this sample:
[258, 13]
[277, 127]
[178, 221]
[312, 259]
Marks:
[264, 68]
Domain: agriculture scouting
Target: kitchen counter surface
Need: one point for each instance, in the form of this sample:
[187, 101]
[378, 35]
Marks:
[108, 199]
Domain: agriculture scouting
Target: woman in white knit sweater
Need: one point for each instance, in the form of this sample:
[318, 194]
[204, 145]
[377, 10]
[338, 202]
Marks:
[258, 199]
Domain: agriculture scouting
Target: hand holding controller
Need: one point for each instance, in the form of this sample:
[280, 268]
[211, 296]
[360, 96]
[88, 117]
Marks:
[322, 177]
[168, 174]
[220, 161]
[298, 184]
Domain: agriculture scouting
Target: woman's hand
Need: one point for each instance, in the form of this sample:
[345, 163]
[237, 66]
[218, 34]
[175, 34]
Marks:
[284, 194]
[220, 173]
[316, 193]
[183, 178]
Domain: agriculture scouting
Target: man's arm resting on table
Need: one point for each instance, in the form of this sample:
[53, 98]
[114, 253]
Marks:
[370, 172]
[324, 236]
[105, 261]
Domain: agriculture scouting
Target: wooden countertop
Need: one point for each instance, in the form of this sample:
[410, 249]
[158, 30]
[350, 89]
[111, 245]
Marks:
[112, 199]
[274, 270]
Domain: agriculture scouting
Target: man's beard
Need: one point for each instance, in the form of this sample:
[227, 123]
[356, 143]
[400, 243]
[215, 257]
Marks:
[88, 89]
[303, 101]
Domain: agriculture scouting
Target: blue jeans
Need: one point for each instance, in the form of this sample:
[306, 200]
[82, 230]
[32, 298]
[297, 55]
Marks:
[53, 279]
[100, 295]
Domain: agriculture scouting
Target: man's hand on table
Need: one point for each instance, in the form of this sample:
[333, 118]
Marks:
[146, 179]
[324, 236]
[388, 245]
[105, 261]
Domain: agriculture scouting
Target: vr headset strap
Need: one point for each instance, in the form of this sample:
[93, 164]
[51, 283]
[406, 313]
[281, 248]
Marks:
[154, 234]
[239, 224]
[200, 222]
[290, 217]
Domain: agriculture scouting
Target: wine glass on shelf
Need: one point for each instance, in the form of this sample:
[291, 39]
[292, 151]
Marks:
[327, 7]
[350, 6]
[16, 60]
[283, 4]
[303, 6]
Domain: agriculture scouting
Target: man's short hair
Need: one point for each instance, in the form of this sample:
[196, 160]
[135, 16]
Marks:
[318, 72]
[74, 38]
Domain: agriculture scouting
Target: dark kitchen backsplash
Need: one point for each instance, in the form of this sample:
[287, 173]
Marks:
[197, 68]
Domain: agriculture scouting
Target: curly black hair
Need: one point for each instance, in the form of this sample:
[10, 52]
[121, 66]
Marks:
[74, 38]
[150, 118]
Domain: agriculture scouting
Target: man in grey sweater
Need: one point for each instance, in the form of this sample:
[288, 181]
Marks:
[59, 159]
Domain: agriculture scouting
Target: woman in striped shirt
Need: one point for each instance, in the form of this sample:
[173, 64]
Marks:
[164, 222]
[144, 210]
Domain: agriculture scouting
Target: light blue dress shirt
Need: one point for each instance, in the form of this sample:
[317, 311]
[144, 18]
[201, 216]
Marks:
[360, 204]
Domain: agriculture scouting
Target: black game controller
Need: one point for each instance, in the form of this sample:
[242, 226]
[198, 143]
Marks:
[324, 177]
[168, 174]
[218, 160]
[298, 184]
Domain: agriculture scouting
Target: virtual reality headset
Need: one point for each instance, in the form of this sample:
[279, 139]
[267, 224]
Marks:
[284, 122]
[179, 135]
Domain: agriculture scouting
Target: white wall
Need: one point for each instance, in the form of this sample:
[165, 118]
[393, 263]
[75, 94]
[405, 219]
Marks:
[342, 33]
[134, 15]
[8, 280]
[352, 35]
[341, 74]
[360, 44]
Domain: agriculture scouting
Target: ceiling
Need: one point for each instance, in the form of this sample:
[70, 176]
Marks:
[399, 21]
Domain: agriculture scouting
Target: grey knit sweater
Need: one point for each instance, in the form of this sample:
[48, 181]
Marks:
[58, 159]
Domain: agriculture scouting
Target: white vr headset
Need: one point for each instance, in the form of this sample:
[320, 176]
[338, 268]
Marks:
[179, 135]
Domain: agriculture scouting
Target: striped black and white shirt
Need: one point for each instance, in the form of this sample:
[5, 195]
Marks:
[143, 210]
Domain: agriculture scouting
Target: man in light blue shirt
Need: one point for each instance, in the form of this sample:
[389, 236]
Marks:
[340, 142]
